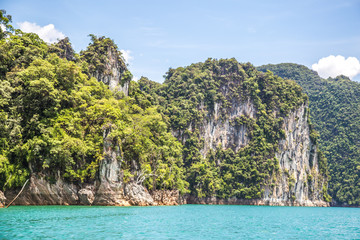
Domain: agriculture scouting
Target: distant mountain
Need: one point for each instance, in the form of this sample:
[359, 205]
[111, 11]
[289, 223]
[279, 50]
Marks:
[335, 110]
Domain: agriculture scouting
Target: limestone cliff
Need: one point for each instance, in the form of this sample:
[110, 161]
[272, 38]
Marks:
[299, 181]
[246, 138]
[111, 189]
[113, 72]
[106, 64]
[41, 192]
[217, 130]
[258, 117]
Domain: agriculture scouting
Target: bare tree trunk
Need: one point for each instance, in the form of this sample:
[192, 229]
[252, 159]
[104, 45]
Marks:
[22, 189]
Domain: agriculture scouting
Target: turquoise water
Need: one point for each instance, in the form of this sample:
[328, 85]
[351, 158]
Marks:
[179, 222]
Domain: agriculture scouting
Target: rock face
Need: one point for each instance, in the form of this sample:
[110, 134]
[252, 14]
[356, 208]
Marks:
[299, 182]
[2, 199]
[217, 130]
[168, 197]
[113, 72]
[86, 196]
[41, 192]
[111, 189]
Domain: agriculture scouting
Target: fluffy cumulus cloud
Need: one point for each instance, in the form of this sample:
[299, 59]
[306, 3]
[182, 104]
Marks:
[127, 55]
[333, 66]
[48, 33]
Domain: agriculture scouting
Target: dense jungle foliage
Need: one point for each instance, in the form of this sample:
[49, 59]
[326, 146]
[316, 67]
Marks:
[335, 108]
[189, 95]
[52, 117]
[53, 114]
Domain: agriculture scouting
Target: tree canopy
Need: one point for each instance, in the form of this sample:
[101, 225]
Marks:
[52, 118]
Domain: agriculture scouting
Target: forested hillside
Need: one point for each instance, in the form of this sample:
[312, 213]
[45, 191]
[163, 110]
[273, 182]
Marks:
[335, 110]
[53, 115]
[216, 89]
[79, 128]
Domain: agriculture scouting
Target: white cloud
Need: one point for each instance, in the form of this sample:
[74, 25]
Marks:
[332, 66]
[2, 26]
[48, 33]
[127, 55]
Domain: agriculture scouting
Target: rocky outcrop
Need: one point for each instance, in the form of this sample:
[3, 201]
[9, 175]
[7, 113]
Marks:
[41, 192]
[168, 197]
[138, 195]
[113, 72]
[297, 182]
[86, 196]
[2, 199]
[300, 181]
[111, 187]
[106, 64]
[219, 130]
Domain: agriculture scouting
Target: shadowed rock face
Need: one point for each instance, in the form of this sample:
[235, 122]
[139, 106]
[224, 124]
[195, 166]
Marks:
[86, 196]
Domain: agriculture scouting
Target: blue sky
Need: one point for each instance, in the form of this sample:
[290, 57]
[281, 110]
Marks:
[163, 34]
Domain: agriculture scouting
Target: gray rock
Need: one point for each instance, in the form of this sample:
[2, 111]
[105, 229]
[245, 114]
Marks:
[86, 196]
[41, 192]
[138, 195]
[2, 199]
[297, 155]
[216, 129]
[111, 75]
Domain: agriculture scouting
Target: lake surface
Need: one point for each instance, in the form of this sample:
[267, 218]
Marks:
[179, 222]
